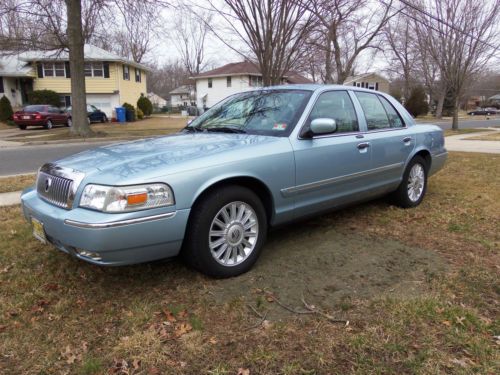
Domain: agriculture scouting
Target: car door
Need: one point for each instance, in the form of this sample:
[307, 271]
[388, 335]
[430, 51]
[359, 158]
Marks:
[330, 168]
[391, 141]
[54, 115]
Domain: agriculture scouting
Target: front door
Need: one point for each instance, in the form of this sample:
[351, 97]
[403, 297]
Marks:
[330, 169]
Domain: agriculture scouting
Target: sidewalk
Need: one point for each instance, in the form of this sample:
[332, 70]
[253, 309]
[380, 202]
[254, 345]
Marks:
[462, 143]
[10, 199]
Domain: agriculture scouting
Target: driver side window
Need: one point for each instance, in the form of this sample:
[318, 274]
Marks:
[336, 105]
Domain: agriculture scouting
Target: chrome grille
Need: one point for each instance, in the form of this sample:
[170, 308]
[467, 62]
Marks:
[54, 189]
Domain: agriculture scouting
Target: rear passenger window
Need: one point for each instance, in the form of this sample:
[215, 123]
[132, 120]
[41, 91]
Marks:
[336, 105]
[395, 120]
[375, 114]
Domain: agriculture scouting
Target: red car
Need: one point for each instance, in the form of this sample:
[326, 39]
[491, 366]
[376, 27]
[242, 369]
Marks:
[41, 115]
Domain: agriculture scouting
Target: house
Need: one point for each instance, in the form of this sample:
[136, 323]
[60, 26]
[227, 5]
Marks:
[15, 79]
[373, 81]
[216, 84]
[494, 100]
[110, 80]
[157, 101]
[182, 96]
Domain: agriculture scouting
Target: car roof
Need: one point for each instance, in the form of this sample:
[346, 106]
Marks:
[318, 87]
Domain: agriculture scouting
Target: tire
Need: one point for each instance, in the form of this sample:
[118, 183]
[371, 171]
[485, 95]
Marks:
[104, 119]
[69, 123]
[48, 125]
[407, 196]
[22, 127]
[202, 251]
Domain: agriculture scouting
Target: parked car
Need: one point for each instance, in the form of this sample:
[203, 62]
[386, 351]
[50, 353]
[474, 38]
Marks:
[94, 114]
[483, 111]
[41, 115]
[255, 160]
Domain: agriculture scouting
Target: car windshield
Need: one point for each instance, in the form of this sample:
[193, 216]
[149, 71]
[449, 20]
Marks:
[265, 112]
[34, 108]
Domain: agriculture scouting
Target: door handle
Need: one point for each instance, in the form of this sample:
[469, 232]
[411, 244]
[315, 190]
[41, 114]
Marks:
[406, 139]
[363, 145]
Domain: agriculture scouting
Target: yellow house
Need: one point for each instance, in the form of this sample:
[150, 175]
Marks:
[110, 80]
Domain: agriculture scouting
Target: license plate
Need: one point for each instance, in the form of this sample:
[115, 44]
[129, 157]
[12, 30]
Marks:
[26, 117]
[38, 231]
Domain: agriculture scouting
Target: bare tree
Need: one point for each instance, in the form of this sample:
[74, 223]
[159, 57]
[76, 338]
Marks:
[189, 35]
[274, 31]
[345, 29]
[167, 77]
[461, 37]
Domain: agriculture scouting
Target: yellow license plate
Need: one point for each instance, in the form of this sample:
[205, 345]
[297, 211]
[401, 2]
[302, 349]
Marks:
[38, 230]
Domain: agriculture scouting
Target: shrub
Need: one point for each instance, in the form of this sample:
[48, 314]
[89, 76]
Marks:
[140, 114]
[6, 111]
[44, 97]
[130, 111]
[417, 102]
[145, 105]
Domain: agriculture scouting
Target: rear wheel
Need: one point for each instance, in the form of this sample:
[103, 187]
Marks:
[226, 232]
[48, 125]
[104, 119]
[22, 127]
[412, 189]
[69, 123]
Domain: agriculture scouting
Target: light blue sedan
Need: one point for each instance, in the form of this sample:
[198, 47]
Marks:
[255, 160]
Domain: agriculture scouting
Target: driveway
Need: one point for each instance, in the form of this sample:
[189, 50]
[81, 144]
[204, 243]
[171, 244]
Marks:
[464, 143]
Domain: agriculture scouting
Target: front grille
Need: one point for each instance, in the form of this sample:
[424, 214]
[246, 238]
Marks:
[54, 189]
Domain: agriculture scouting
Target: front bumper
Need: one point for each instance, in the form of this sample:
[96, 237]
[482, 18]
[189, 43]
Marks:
[118, 239]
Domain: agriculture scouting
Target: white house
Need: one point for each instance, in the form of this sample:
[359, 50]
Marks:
[216, 84]
[183, 96]
[157, 101]
[15, 79]
[373, 81]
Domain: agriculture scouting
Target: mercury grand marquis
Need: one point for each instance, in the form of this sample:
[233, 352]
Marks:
[255, 160]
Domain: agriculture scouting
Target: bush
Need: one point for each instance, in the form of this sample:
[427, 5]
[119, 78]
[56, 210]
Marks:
[417, 102]
[6, 111]
[140, 114]
[145, 105]
[130, 112]
[44, 97]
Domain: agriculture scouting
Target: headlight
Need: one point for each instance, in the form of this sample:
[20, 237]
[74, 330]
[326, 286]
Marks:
[126, 198]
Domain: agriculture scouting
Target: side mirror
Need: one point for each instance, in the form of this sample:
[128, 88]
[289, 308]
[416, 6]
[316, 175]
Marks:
[323, 126]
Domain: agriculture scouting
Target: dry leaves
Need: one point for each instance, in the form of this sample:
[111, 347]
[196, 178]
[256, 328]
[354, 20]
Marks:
[243, 371]
[121, 366]
[171, 326]
[74, 355]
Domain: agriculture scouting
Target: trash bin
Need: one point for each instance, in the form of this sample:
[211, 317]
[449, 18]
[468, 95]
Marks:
[130, 115]
[120, 114]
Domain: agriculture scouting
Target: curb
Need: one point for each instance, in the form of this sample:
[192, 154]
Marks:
[10, 199]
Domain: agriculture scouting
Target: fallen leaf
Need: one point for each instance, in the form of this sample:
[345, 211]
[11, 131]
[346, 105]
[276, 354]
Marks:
[460, 362]
[182, 329]
[212, 340]
[446, 323]
[269, 298]
[182, 314]
[439, 310]
[51, 286]
[3, 327]
[168, 314]
[460, 320]
[136, 363]
[243, 371]
[154, 371]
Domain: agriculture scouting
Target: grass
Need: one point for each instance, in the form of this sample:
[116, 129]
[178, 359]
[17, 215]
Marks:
[487, 137]
[152, 126]
[59, 315]
[8, 184]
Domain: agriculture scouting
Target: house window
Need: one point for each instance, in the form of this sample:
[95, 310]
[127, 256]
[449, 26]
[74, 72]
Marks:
[126, 73]
[94, 69]
[54, 69]
[228, 81]
[210, 83]
[137, 75]
[64, 101]
[1, 85]
[255, 81]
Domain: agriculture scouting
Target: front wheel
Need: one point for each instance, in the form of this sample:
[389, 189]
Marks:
[412, 189]
[104, 119]
[226, 232]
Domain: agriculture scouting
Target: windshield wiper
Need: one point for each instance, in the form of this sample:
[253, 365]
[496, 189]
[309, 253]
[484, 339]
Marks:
[225, 129]
[193, 129]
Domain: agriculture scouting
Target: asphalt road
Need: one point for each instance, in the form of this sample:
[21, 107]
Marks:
[27, 159]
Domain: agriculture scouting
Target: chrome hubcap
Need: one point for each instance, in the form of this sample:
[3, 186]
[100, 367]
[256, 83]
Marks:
[233, 233]
[416, 181]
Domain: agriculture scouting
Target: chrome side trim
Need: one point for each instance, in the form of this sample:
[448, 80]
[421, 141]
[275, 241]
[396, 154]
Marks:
[440, 155]
[121, 223]
[295, 190]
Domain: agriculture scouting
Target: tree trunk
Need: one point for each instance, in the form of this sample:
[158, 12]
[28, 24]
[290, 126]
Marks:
[76, 63]
[456, 107]
[440, 104]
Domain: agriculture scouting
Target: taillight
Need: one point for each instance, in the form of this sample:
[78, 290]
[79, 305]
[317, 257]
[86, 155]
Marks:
[15, 117]
[38, 117]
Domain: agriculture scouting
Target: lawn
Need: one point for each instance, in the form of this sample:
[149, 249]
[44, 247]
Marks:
[419, 289]
[15, 183]
[152, 126]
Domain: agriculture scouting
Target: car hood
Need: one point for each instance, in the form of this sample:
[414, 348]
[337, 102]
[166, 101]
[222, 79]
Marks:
[163, 155]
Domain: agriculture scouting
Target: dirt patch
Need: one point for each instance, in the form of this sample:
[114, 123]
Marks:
[330, 269]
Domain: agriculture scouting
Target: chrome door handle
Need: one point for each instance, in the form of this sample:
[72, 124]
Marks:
[363, 145]
[406, 139]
